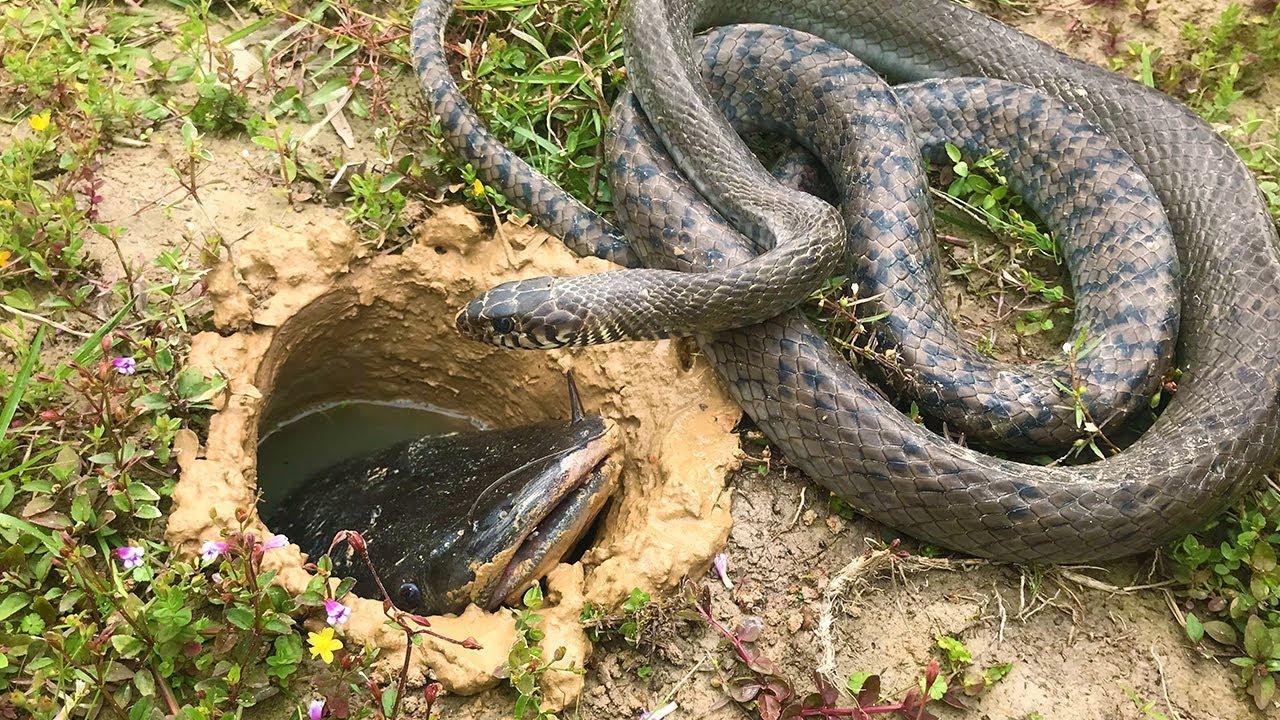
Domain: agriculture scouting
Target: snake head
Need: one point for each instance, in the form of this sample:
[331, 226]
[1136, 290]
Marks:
[522, 314]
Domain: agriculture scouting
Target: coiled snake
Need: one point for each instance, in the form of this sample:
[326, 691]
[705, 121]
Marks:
[1216, 435]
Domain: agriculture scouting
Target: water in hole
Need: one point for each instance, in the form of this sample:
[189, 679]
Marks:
[297, 449]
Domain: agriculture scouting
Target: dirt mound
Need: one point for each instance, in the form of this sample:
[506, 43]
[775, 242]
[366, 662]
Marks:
[309, 322]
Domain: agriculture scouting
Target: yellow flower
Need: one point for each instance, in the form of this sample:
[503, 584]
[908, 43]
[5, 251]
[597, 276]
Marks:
[4, 257]
[477, 189]
[323, 644]
[39, 122]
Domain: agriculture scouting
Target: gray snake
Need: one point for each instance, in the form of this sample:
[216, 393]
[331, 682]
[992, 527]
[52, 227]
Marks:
[1218, 432]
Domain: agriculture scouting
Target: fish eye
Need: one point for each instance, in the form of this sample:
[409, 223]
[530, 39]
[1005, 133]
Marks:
[503, 325]
[409, 594]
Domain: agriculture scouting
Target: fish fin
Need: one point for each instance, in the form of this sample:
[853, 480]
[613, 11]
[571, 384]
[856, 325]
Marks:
[575, 402]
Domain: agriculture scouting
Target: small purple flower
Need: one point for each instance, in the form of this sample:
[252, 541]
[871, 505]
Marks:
[125, 365]
[721, 563]
[274, 542]
[337, 612]
[130, 556]
[211, 549]
[315, 709]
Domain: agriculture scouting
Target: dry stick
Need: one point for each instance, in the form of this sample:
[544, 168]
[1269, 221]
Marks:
[669, 697]
[799, 509]
[1094, 584]
[1164, 687]
[1003, 615]
[861, 565]
[167, 692]
[43, 320]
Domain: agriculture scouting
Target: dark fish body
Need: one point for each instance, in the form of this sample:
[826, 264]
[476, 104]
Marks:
[454, 519]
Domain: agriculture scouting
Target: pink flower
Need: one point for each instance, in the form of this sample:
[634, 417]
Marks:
[274, 542]
[721, 564]
[130, 556]
[315, 709]
[211, 549]
[337, 612]
[125, 365]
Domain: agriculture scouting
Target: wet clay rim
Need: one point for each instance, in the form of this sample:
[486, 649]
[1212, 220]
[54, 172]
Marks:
[304, 326]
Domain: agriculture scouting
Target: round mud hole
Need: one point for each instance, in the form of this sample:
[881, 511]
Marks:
[322, 353]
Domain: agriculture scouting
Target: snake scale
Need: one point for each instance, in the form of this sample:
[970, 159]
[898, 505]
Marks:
[1220, 430]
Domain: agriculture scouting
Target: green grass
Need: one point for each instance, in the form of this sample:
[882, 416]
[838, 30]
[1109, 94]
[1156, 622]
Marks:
[86, 461]
[91, 409]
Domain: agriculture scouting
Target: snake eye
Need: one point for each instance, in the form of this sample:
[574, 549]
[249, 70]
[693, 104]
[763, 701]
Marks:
[409, 594]
[503, 325]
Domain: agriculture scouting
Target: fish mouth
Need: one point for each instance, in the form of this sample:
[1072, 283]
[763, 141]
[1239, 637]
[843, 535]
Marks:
[571, 504]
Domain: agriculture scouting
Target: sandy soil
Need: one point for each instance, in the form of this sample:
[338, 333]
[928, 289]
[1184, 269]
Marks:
[1077, 652]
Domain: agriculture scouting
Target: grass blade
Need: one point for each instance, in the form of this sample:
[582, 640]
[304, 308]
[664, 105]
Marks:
[92, 345]
[20, 382]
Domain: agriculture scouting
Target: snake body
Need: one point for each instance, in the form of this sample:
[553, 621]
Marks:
[1121, 251]
[1219, 431]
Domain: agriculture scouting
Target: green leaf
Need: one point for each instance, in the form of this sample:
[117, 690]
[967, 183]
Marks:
[189, 133]
[995, 673]
[1221, 632]
[142, 492]
[1263, 691]
[82, 508]
[20, 298]
[65, 464]
[389, 182]
[9, 522]
[20, 382]
[241, 617]
[189, 382]
[1257, 639]
[855, 682]
[1264, 557]
[164, 360]
[1195, 629]
[388, 700]
[636, 601]
[12, 603]
[328, 92]
[277, 626]
[152, 401]
[938, 688]
[288, 650]
[145, 683]
[956, 652]
[127, 645]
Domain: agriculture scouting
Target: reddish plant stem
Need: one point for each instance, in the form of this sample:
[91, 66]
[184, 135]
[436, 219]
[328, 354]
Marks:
[858, 712]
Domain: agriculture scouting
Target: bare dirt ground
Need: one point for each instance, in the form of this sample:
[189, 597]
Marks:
[1077, 652]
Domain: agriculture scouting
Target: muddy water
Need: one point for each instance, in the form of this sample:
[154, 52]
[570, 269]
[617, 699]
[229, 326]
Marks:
[298, 448]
